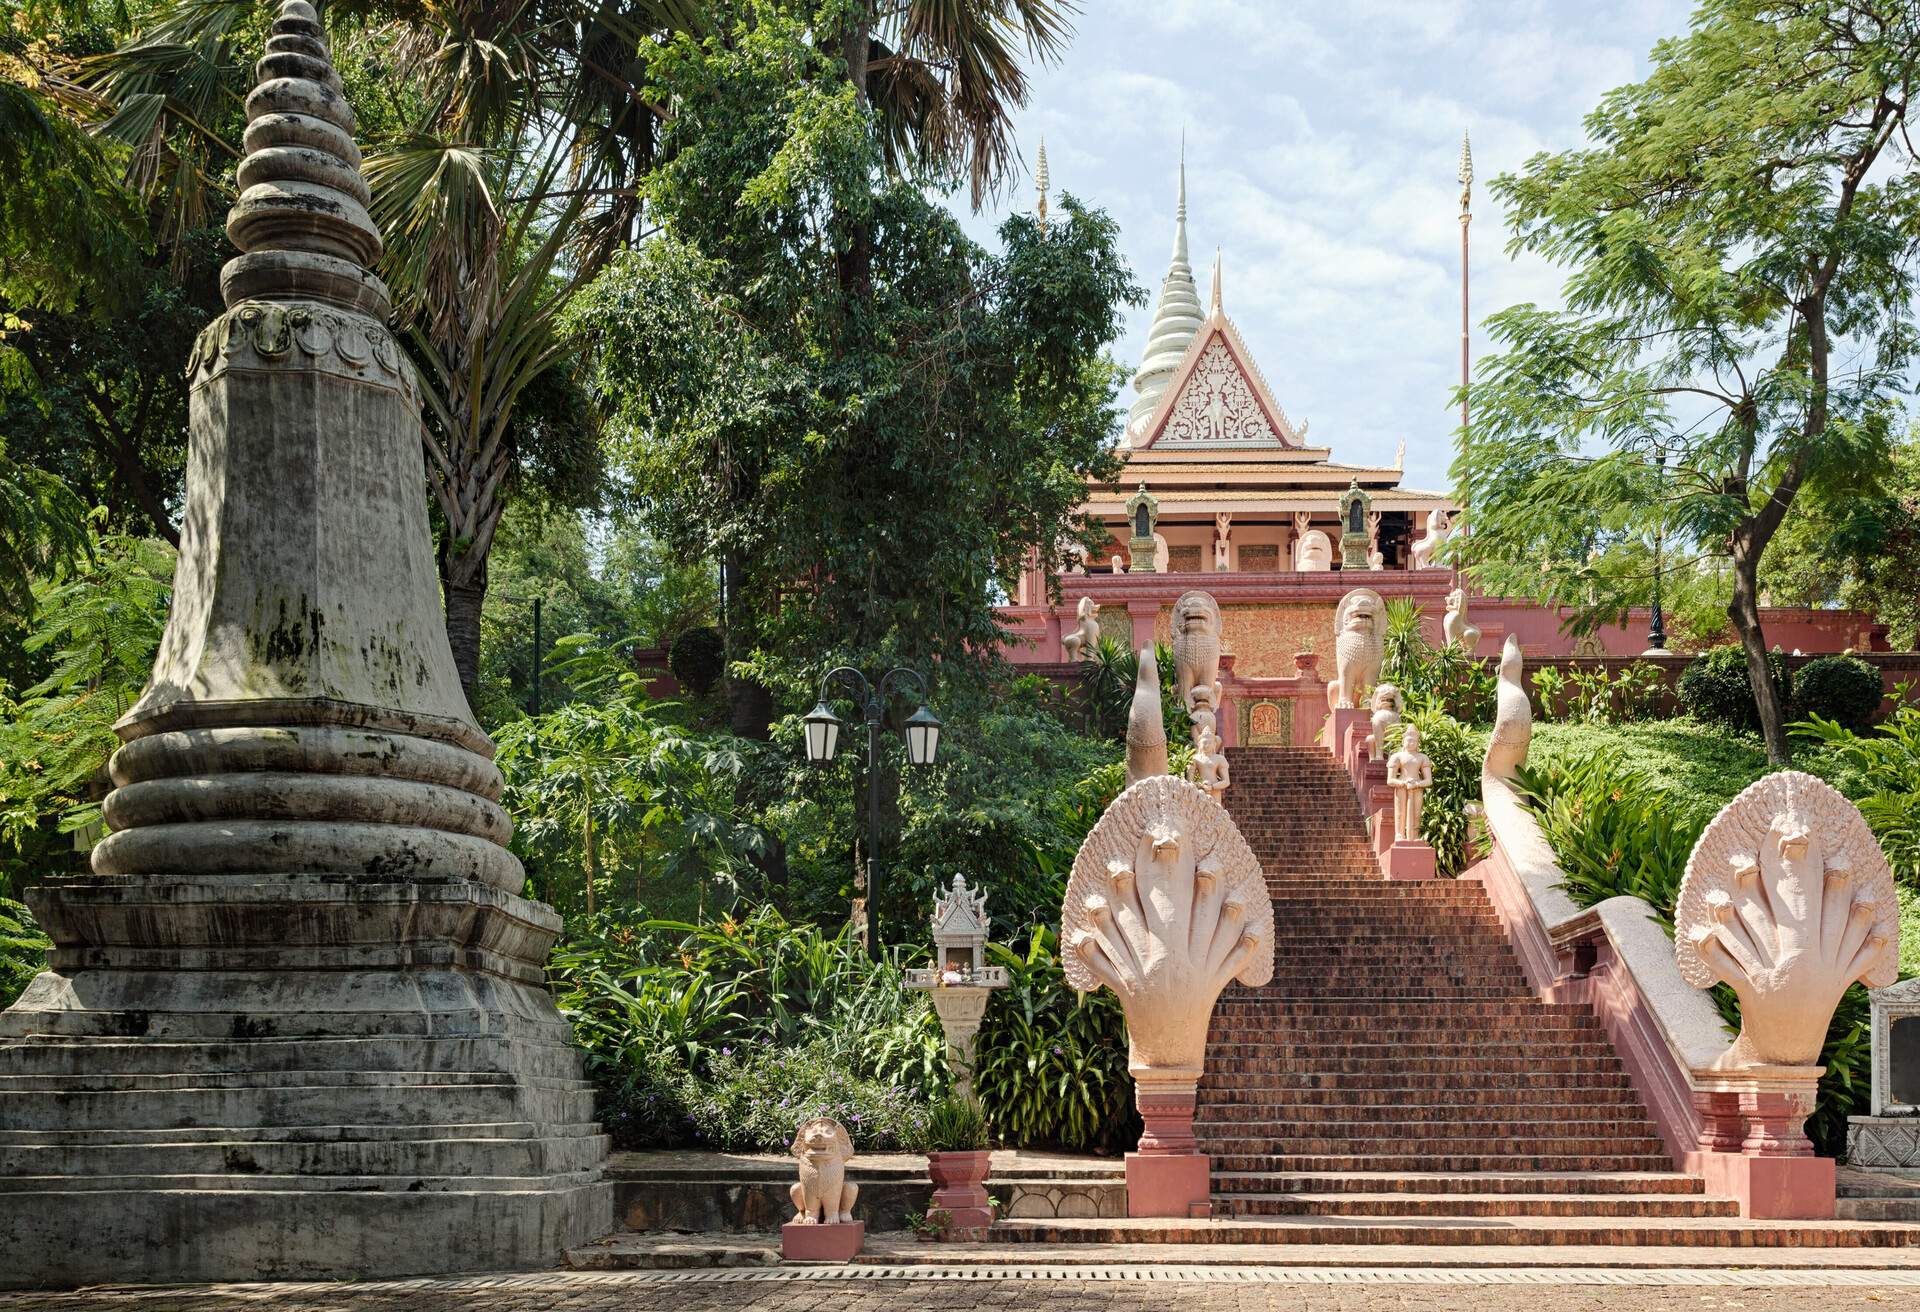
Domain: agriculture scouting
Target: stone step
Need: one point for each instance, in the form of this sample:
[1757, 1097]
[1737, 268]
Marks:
[1415, 1104]
[1437, 1182]
[13, 1135]
[1512, 1149]
[479, 1053]
[347, 1157]
[259, 1079]
[396, 1104]
[1724, 1232]
[409, 1183]
[1239, 1162]
[1400, 1205]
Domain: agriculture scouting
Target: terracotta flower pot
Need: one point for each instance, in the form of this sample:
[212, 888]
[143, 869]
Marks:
[957, 1179]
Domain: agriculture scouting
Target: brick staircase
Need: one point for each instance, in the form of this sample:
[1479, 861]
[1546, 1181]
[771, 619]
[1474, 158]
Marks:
[1398, 1083]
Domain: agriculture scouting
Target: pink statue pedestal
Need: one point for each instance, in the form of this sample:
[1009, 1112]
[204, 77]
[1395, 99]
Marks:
[1341, 722]
[1168, 1176]
[1408, 860]
[959, 1188]
[1753, 1146]
[838, 1242]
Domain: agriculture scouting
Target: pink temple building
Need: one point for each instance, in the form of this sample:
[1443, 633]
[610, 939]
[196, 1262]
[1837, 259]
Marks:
[1221, 490]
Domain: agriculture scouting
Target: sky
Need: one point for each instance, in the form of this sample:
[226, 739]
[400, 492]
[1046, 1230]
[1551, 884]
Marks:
[1323, 144]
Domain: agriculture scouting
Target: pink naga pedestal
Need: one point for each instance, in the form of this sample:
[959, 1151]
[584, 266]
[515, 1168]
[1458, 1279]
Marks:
[1753, 1146]
[1168, 1175]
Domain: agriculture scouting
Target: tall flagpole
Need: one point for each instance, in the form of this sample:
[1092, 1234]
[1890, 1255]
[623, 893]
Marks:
[1466, 219]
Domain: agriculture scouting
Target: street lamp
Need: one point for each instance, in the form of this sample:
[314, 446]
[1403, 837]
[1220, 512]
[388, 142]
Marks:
[823, 742]
[1657, 627]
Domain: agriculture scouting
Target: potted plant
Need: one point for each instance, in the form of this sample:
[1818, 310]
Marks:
[958, 1162]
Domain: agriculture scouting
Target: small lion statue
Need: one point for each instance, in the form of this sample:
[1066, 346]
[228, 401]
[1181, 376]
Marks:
[824, 1195]
[1456, 628]
[1359, 647]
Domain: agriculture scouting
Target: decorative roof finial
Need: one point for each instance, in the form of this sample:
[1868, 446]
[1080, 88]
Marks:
[1216, 280]
[1466, 172]
[1180, 209]
[1040, 180]
[301, 219]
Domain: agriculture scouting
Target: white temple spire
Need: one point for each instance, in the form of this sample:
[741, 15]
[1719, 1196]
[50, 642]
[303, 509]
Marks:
[1040, 180]
[1176, 320]
[1216, 280]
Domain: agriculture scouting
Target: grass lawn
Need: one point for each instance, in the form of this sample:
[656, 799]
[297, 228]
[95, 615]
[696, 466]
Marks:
[1704, 768]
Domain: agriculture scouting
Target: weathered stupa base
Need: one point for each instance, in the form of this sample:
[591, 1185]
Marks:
[295, 1023]
[284, 1121]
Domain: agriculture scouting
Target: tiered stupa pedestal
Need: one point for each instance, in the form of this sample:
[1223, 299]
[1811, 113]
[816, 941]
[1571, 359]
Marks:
[294, 1022]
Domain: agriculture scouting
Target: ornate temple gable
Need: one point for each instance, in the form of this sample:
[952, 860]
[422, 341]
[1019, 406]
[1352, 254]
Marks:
[1219, 399]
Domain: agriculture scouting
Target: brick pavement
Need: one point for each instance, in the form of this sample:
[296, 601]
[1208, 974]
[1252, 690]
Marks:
[638, 1292]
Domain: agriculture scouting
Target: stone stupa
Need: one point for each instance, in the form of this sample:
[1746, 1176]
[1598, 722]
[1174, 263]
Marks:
[294, 1023]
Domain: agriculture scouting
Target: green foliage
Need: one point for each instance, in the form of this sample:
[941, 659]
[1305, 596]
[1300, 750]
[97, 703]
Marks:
[43, 529]
[1698, 762]
[1590, 695]
[1456, 754]
[1844, 689]
[1739, 214]
[1549, 687]
[754, 1098]
[1444, 679]
[957, 1124]
[814, 372]
[698, 658]
[611, 801]
[1715, 688]
[1612, 831]
[98, 627]
[1052, 1065]
[23, 950]
[1879, 770]
[672, 1013]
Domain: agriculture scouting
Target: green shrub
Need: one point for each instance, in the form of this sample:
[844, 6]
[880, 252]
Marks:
[1879, 771]
[1434, 678]
[698, 658]
[1844, 689]
[1640, 691]
[1456, 781]
[1052, 1065]
[956, 1124]
[23, 950]
[1549, 686]
[1611, 830]
[1715, 687]
[751, 1100]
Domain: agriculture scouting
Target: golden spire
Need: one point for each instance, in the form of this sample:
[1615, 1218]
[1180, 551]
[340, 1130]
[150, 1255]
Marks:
[1040, 180]
[1466, 175]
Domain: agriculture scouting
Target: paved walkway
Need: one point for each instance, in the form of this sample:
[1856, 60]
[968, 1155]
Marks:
[982, 1289]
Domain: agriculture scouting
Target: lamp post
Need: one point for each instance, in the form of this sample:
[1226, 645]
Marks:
[823, 742]
[1657, 626]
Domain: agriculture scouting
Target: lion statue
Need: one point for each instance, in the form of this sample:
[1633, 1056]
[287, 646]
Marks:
[1084, 639]
[1196, 650]
[1457, 629]
[1359, 647]
[824, 1195]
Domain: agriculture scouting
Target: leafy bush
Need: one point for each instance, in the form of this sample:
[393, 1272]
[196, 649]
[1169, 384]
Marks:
[956, 1124]
[1052, 1065]
[1844, 689]
[698, 658]
[1640, 691]
[1612, 831]
[754, 1097]
[1879, 771]
[1456, 781]
[1434, 678]
[1716, 689]
[1549, 686]
[23, 950]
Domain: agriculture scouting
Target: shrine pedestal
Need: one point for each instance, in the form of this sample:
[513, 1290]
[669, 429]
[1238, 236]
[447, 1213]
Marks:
[839, 1242]
[1168, 1176]
[1753, 1146]
[1409, 861]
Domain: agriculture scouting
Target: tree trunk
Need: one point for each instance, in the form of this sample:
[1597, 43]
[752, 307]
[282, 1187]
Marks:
[749, 702]
[463, 580]
[1744, 611]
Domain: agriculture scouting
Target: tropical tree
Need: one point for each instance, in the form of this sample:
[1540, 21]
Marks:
[870, 467]
[1740, 239]
[42, 529]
